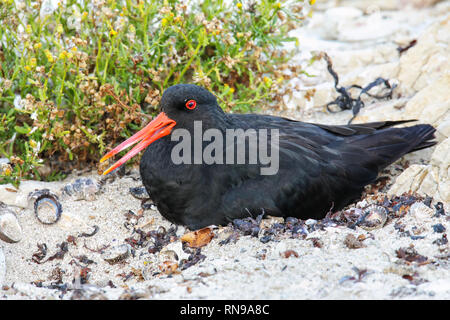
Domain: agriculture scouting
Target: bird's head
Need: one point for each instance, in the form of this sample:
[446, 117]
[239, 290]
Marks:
[180, 105]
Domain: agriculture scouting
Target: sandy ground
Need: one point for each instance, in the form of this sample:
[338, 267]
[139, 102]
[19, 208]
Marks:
[407, 258]
[245, 269]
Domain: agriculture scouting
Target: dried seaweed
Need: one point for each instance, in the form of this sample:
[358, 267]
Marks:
[248, 226]
[438, 228]
[411, 44]
[195, 257]
[439, 209]
[63, 249]
[410, 255]
[441, 241]
[345, 101]
[84, 234]
[360, 275]
[38, 256]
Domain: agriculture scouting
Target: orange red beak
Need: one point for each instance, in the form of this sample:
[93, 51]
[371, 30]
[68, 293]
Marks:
[159, 127]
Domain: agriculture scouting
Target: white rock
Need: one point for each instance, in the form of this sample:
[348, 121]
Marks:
[441, 161]
[116, 253]
[432, 100]
[409, 180]
[424, 63]
[10, 230]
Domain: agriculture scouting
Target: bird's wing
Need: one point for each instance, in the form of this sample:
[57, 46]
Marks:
[322, 166]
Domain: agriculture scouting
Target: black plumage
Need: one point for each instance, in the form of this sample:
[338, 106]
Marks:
[321, 167]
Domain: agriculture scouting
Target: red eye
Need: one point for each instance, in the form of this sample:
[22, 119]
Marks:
[191, 104]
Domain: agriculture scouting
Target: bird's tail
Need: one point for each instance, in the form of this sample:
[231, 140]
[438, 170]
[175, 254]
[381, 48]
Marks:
[393, 143]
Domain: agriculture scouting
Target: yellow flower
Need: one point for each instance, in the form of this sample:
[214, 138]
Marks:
[267, 81]
[28, 29]
[113, 32]
[6, 170]
[232, 90]
[84, 15]
[48, 55]
[28, 68]
[33, 62]
[311, 2]
[239, 5]
[33, 143]
[164, 22]
[278, 5]
[63, 55]
[59, 28]
[37, 46]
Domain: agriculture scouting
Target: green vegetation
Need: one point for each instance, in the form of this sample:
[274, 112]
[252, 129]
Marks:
[79, 77]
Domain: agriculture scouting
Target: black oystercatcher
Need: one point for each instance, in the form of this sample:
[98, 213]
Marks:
[320, 167]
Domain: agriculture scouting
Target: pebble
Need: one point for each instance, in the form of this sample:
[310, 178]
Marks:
[168, 255]
[270, 221]
[82, 189]
[310, 222]
[116, 254]
[139, 193]
[10, 229]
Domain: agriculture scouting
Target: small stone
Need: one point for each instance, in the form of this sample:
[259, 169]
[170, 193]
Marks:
[10, 229]
[116, 254]
[82, 189]
[310, 222]
[270, 221]
[180, 231]
[168, 255]
[223, 234]
[139, 193]
[352, 242]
